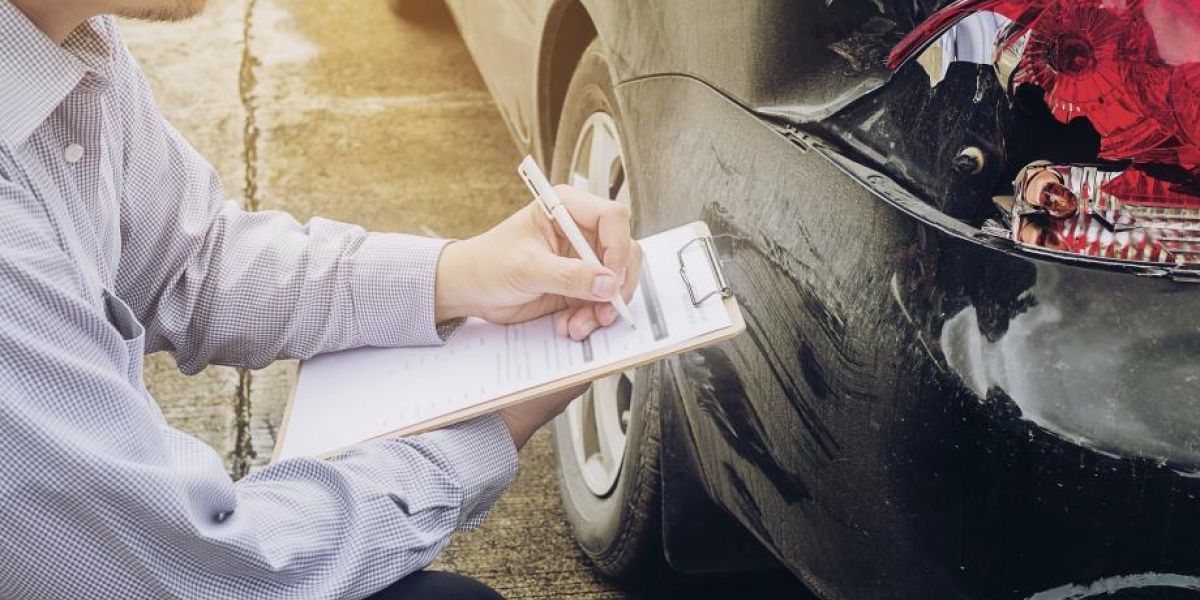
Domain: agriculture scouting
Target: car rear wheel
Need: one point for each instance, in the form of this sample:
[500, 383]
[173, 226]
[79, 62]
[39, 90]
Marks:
[607, 441]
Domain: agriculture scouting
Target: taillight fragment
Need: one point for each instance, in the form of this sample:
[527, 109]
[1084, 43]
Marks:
[1185, 89]
[1079, 54]
[1138, 187]
[1124, 216]
[943, 20]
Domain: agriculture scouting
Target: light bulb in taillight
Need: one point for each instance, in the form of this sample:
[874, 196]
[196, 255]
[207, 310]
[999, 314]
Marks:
[1043, 189]
[1121, 215]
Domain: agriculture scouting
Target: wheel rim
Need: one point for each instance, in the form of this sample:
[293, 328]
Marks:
[598, 420]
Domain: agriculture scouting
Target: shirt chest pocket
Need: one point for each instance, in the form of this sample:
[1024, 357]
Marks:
[133, 335]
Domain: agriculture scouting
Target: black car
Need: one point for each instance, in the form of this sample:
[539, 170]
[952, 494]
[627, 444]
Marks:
[965, 242]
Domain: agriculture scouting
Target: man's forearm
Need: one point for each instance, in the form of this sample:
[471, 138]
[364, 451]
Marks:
[264, 287]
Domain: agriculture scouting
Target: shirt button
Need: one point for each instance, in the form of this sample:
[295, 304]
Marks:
[73, 153]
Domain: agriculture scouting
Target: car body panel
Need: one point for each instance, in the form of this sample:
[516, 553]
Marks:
[799, 58]
[817, 59]
[916, 410]
[504, 38]
[837, 430]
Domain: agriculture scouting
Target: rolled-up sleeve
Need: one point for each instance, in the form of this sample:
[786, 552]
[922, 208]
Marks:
[102, 497]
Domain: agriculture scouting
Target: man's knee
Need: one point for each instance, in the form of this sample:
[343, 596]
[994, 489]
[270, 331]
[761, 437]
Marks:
[438, 584]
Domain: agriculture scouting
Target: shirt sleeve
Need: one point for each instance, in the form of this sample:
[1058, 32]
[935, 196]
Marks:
[103, 498]
[214, 283]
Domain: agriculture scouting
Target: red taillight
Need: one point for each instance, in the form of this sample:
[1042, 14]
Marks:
[1078, 54]
[1132, 69]
[1185, 90]
[1136, 186]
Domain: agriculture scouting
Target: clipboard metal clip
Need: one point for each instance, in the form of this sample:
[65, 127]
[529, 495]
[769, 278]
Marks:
[710, 252]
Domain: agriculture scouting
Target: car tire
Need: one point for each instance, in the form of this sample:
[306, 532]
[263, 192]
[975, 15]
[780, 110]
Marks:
[620, 531]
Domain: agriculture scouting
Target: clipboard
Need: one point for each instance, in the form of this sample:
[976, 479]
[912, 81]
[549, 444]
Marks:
[704, 279]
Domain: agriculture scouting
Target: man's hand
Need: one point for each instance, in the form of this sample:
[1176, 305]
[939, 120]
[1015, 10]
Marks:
[524, 268]
[524, 419]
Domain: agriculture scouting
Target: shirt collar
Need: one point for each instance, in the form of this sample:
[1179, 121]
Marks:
[36, 74]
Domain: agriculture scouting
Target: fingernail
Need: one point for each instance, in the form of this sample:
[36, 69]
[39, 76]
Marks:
[604, 286]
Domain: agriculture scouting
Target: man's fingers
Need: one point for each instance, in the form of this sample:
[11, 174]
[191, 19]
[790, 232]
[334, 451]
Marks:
[561, 319]
[606, 314]
[582, 323]
[578, 322]
[575, 278]
[609, 220]
[633, 272]
[606, 224]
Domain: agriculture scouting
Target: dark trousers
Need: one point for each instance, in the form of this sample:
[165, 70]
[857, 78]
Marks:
[438, 585]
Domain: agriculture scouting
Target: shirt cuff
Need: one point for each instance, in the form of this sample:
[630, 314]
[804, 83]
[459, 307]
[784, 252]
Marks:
[481, 454]
[392, 285]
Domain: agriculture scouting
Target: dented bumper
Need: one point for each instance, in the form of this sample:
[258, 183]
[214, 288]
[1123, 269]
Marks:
[919, 410]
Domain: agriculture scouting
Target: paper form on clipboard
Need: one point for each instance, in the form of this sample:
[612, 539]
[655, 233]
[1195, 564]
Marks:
[352, 396]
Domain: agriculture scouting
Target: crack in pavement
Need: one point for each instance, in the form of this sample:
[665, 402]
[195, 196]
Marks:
[247, 81]
[243, 446]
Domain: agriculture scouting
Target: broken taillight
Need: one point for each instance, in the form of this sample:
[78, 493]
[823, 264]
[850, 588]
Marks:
[1119, 215]
[1132, 69]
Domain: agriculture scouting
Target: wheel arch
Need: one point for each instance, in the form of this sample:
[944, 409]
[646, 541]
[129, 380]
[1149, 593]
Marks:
[567, 31]
[570, 28]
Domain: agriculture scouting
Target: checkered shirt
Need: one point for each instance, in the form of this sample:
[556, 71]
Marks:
[114, 242]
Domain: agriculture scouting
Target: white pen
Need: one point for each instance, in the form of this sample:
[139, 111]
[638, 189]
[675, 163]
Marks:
[544, 193]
